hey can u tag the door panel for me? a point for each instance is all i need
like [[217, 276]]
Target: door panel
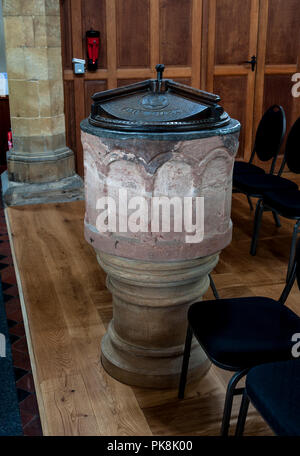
[[133, 33], [233, 92], [176, 32], [232, 40], [278, 58], [69, 100], [283, 35], [91, 87], [66, 33]]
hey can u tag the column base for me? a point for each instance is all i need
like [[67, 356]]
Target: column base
[[159, 368], [64, 190], [145, 340], [40, 166]]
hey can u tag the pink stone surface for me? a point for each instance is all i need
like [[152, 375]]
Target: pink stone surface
[[199, 167]]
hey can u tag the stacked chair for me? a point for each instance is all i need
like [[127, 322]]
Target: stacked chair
[[274, 390], [283, 201], [240, 333], [249, 178]]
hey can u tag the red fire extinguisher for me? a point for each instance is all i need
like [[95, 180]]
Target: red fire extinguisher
[[9, 140], [93, 44]]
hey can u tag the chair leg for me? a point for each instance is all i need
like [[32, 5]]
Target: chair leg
[[257, 222], [213, 287], [289, 285], [250, 203], [276, 219], [293, 249], [242, 415], [228, 401], [185, 362]]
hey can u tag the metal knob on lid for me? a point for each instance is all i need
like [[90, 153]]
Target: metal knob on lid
[[157, 105]]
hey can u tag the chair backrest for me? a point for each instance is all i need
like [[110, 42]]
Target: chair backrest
[[270, 134], [292, 148]]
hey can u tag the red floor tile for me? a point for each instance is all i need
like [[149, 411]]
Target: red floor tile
[[26, 417], [18, 330], [21, 359], [21, 345], [33, 428], [30, 405], [26, 383], [15, 314]]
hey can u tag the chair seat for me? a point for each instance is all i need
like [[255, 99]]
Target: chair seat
[[258, 184], [240, 333], [274, 390], [245, 168], [286, 202]]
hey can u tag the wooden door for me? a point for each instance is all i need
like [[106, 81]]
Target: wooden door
[[135, 36], [231, 40], [278, 58]]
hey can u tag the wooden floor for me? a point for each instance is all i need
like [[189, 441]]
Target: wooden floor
[[67, 308]]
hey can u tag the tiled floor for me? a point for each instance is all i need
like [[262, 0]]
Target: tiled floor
[[23, 375]]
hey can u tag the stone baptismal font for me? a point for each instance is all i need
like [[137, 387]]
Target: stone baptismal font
[[158, 184]]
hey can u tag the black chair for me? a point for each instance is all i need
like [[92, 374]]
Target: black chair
[[274, 390], [240, 333], [285, 203], [213, 287], [268, 140]]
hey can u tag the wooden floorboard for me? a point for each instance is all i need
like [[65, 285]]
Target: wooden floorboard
[[68, 308]]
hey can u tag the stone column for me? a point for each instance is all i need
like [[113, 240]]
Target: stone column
[[40, 166]]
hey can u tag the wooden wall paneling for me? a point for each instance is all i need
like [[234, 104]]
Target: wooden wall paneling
[[94, 16], [260, 67], [66, 33], [233, 92], [204, 44], [196, 43], [175, 31], [228, 48], [278, 58], [186, 81], [283, 35], [78, 81], [211, 19], [125, 82], [111, 43], [253, 41], [154, 35], [232, 36], [133, 33], [136, 35], [91, 87], [70, 119]]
